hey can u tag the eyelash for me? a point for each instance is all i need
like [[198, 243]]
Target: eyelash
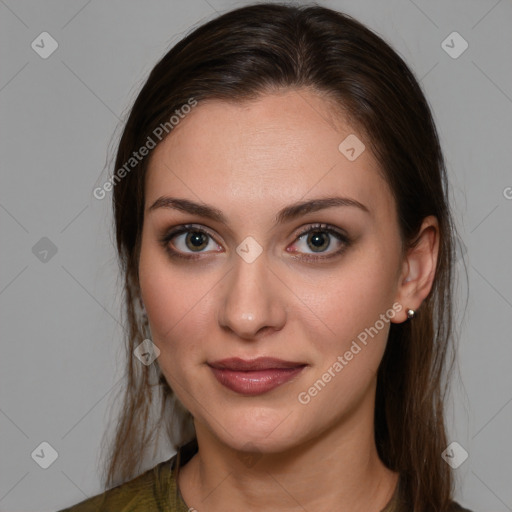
[[191, 228]]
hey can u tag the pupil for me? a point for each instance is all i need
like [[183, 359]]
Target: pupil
[[197, 240], [316, 239]]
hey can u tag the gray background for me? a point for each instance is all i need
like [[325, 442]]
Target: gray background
[[61, 338]]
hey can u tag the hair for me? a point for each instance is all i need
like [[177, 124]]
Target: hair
[[266, 48]]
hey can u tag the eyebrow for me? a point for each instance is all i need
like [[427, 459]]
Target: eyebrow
[[286, 214]]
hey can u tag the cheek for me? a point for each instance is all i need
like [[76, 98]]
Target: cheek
[[347, 354], [353, 296], [176, 302], [348, 307]]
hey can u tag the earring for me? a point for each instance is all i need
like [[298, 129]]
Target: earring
[[410, 313]]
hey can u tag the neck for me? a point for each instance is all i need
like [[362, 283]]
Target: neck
[[338, 470]]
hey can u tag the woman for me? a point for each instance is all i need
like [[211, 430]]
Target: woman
[[282, 217]]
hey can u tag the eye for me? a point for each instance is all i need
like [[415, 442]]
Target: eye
[[319, 238], [188, 239]]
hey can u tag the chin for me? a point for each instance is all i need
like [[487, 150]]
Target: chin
[[261, 431], [251, 443]]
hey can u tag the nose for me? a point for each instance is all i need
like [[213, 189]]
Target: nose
[[253, 300]]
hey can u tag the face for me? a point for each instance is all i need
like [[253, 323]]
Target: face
[[314, 287]]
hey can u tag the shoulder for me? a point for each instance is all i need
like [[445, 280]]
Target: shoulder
[[455, 507], [148, 491]]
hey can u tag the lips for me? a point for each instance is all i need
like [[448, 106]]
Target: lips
[[261, 363], [254, 377]]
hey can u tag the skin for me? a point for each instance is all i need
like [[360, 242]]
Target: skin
[[250, 160]]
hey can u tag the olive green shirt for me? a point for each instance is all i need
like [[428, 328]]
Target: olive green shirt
[[157, 490]]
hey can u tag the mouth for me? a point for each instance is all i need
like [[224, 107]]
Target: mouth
[[254, 377]]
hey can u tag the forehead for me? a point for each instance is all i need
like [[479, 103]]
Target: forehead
[[262, 153]]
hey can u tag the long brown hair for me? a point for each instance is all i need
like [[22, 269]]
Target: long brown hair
[[241, 55]]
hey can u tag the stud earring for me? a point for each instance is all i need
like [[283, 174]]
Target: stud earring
[[410, 313]]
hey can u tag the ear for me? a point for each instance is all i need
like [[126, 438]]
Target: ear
[[418, 270]]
